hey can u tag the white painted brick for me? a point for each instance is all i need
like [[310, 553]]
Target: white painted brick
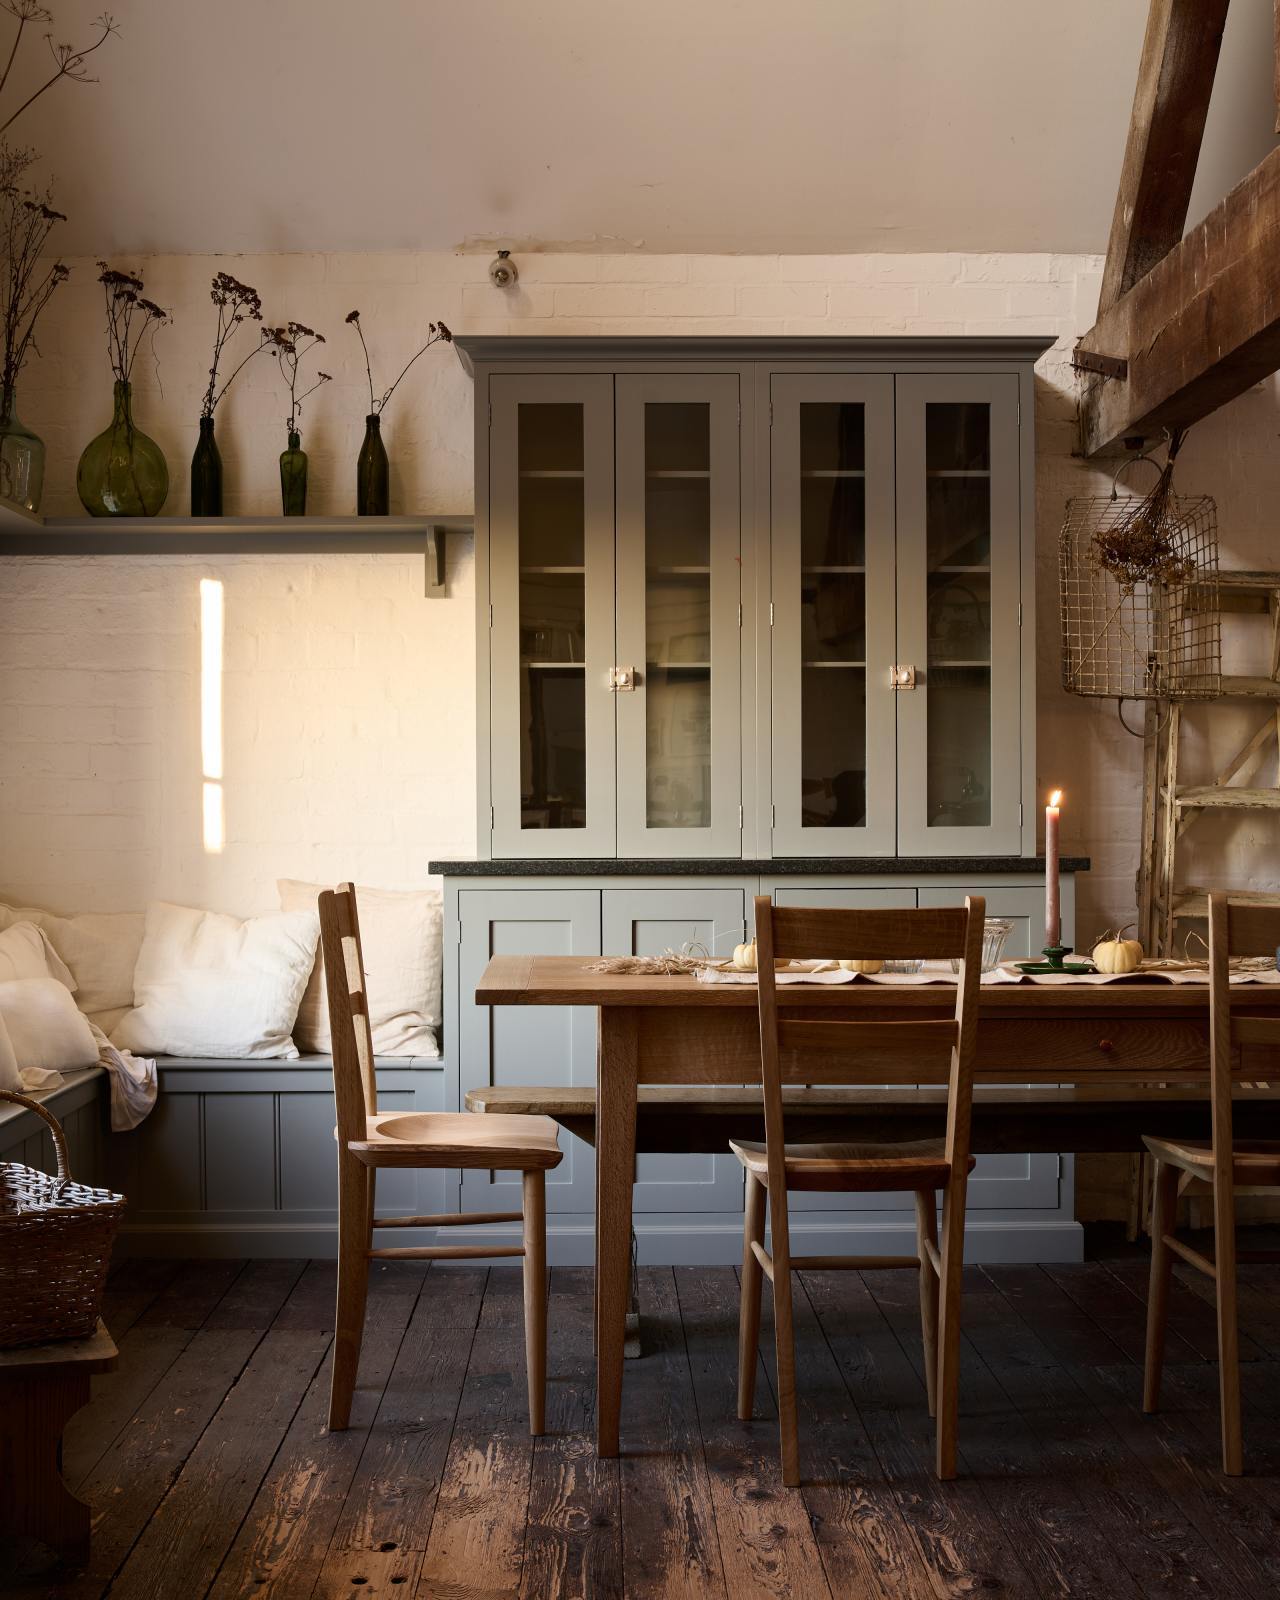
[[638, 268], [968, 302], [689, 300], [820, 269], [600, 300], [733, 269], [534, 300], [1056, 300], [874, 300], [782, 300]]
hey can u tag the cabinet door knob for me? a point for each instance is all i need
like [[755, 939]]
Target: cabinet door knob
[[622, 679], [1106, 1046], [902, 677]]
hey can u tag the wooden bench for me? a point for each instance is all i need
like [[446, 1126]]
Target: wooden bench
[[1090, 1118], [41, 1388]]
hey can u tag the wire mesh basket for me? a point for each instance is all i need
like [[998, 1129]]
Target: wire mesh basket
[[1138, 588]]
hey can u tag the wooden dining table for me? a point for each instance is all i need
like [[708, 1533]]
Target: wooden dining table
[[664, 1029]]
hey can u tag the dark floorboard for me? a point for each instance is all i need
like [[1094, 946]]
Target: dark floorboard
[[211, 1474]]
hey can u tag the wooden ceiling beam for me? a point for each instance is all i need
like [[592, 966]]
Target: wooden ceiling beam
[[1199, 328], [1175, 79]]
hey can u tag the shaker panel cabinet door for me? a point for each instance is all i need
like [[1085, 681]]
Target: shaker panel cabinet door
[[552, 642], [646, 922], [832, 640], [959, 584], [527, 1044], [678, 615]]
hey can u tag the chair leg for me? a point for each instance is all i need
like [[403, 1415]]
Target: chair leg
[[785, 1344], [1163, 1217], [1224, 1252], [353, 1286], [927, 1231], [749, 1310], [948, 1392], [535, 1296]]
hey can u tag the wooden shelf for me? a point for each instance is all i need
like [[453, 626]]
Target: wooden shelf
[[24, 535], [1226, 797]]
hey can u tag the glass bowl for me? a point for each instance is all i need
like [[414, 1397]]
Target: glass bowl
[[907, 964], [995, 930]]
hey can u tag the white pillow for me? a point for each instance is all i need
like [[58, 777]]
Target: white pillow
[[100, 947], [10, 1077], [211, 985], [25, 952], [401, 935], [44, 1026]]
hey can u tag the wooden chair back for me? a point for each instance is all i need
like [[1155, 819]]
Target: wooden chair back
[[355, 1089], [1236, 928], [937, 1050]]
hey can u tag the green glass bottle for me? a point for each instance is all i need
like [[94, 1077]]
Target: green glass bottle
[[122, 472], [21, 458], [373, 491], [206, 474], [293, 478]]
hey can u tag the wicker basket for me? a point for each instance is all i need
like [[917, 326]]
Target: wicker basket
[[55, 1246]]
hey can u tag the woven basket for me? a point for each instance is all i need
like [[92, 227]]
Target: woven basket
[[55, 1246]]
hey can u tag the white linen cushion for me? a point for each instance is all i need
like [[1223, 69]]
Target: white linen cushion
[[401, 936], [207, 984], [10, 1077], [100, 947], [45, 1028], [25, 952]]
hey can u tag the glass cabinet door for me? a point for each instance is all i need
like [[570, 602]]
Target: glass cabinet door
[[959, 560], [551, 584], [832, 511], [678, 627]]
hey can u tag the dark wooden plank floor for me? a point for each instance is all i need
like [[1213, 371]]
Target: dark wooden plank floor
[[210, 1473]]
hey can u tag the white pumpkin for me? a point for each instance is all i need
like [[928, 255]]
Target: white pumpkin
[[1117, 955], [744, 957], [869, 967]]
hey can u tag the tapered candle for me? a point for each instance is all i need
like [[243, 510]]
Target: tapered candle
[[1052, 904]]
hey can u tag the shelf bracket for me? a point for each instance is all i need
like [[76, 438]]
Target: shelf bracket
[[436, 589]]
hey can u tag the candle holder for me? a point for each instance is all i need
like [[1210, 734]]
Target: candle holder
[[1055, 960]]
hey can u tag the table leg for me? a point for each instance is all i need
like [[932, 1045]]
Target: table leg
[[615, 1178], [34, 1410]]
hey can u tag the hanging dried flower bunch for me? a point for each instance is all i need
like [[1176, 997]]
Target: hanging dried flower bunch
[[1140, 547]]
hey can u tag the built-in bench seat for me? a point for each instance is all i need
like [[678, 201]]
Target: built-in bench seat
[[1096, 1117]]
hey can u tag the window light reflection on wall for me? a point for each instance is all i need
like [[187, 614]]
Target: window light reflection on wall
[[211, 626]]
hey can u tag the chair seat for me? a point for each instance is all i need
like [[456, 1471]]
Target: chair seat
[[861, 1166], [458, 1139], [1256, 1163]]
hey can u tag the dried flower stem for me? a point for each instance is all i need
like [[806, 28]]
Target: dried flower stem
[[236, 303], [129, 316], [68, 60], [291, 344], [436, 332]]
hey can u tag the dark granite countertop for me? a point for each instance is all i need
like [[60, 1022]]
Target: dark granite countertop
[[790, 866]]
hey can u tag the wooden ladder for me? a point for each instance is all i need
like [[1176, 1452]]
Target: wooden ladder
[[1170, 807]]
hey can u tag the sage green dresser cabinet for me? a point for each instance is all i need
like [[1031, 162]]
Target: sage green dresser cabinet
[[753, 616]]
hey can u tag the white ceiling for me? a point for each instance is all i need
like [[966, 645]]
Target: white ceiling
[[700, 125]]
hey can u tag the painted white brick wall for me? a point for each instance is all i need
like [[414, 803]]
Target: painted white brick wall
[[349, 699]]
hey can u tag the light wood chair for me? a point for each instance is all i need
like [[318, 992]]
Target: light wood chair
[[1220, 1167], [840, 1051], [369, 1139]]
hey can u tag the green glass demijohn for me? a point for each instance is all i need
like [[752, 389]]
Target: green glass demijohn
[[206, 474], [293, 478], [122, 472], [21, 458], [373, 493]]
